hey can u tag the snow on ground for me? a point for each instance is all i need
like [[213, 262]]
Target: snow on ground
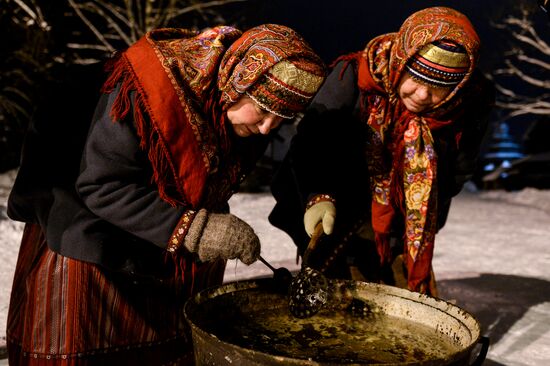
[[492, 257]]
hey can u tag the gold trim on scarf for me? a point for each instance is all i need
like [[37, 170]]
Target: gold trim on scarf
[[302, 80], [443, 57]]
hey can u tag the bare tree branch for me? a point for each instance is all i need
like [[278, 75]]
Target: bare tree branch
[[111, 22], [516, 71], [89, 24], [34, 13], [80, 46], [532, 36], [534, 61], [200, 6], [528, 64], [120, 23]]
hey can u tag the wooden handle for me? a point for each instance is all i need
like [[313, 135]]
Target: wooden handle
[[317, 233]]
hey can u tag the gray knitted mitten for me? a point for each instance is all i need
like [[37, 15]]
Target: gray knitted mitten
[[213, 235]]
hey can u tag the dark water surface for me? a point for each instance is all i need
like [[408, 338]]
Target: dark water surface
[[329, 336]]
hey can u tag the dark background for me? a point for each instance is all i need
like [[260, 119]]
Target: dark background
[[336, 27], [59, 94]]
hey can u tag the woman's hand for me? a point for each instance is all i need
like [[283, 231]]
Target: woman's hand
[[324, 211], [225, 236]]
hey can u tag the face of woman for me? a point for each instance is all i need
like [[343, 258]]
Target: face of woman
[[418, 97], [248, 118]]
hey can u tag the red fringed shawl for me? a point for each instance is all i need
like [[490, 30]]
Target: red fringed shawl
[[184, 82], [170, 70]]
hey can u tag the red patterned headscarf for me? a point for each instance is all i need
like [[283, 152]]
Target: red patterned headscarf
[[402, 159], [274, 66], [184, 82]]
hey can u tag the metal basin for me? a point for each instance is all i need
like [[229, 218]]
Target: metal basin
[[249, 323]]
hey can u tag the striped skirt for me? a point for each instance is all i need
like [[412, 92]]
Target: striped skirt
[[67, 312]]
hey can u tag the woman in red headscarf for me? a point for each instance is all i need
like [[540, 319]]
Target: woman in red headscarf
[[390, 138], [107, 262]]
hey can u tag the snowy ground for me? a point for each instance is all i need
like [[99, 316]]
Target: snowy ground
[[492, 258]]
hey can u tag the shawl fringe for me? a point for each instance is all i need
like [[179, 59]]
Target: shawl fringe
[[120, 72], [180, 261], [382, 241], [347, 59]]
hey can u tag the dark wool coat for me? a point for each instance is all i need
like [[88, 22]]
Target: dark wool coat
[[327, 155], [113, 214]]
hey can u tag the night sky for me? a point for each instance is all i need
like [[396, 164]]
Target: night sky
[[337, 27]]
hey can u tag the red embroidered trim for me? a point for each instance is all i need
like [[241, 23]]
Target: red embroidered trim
[[176, 240], [319, 198]]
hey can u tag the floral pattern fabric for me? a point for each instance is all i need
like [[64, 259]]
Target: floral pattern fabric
[[402, 157]]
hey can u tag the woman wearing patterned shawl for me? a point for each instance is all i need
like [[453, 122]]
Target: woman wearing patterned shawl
[[389, 139], [105, 269]]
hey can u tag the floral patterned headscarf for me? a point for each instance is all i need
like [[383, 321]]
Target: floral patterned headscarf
[[402, 159], [184, 82]]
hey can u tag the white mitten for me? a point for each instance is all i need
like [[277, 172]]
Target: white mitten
[[323, 211]]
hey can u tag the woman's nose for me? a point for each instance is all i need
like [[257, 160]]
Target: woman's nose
[[268, 123], [264, 126], [422, 92]]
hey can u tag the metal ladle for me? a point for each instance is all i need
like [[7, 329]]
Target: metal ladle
[[281, 276], [309, 290]]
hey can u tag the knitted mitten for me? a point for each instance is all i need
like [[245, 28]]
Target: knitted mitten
[[213, 235]]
